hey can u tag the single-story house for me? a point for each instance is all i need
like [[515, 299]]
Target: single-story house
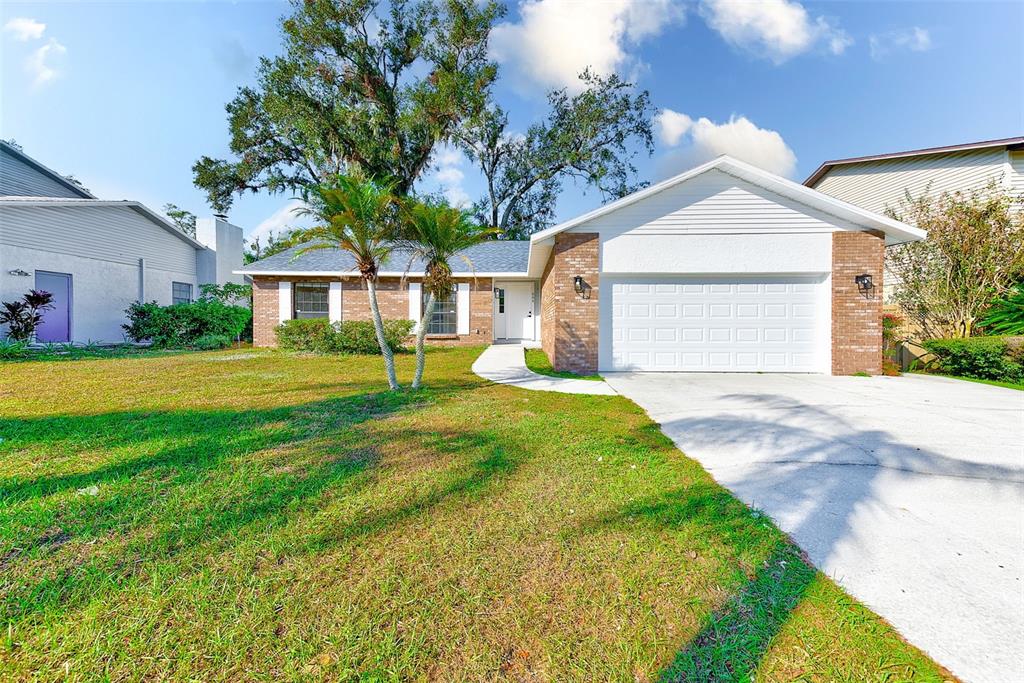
[[723, 268], [95, 256]]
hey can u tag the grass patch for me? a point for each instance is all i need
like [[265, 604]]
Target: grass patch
[[537, 361], [991, 382], [261, 515]]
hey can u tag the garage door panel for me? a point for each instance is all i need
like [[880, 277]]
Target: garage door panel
[[740, 326]]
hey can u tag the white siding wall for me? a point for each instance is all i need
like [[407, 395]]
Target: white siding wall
[[110, 233], [101, 289], [877, 185], [18, 179], [715, 223], [1017, 173]]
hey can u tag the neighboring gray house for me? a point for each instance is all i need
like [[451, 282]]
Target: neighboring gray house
[[881, 181], [96, 256]]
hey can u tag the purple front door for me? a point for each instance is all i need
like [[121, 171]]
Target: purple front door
[[56, 325]]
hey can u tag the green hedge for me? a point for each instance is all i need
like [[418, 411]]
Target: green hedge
[[185, 324], [997, 358], [352, 336]]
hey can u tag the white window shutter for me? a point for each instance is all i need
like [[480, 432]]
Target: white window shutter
[[415, 302], [284, 301], [334, 303], [462, 308]]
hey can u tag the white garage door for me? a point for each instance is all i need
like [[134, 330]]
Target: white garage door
[[719, 325]]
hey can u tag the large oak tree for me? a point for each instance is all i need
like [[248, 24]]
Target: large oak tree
[[359, 87]]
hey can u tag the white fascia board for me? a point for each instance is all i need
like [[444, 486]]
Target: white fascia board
[[899, 232]]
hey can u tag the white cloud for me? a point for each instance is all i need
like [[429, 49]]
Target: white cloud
[[278, 222], [774, 29], [915, 39], [739, 137], [555, 40], [42, 63], [25, 29], [448, 175], [671, 126]]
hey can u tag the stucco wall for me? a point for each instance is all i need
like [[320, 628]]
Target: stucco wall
[[101, 290]]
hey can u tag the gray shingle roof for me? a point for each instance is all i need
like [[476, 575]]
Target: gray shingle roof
[[499, 256]]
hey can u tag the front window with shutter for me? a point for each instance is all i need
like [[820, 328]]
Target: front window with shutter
[[443, 319]]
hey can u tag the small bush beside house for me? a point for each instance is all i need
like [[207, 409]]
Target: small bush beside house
[[208, 321], [352, 336], [990, 358]]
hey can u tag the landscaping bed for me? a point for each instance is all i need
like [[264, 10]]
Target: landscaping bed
[[261, 515]]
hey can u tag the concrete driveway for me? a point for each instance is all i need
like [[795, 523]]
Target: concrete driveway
[[906, 490]]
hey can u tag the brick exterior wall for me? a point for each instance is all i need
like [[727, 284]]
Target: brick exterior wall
[[857, 316], [392, 298], [569, 321]]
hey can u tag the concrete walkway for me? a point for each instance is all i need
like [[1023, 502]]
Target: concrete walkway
[[909, 491], [506, 364]]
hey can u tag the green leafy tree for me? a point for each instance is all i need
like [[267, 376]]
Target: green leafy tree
[[358, 87], [588, 138], [974, 252], [182, 219], [436, 233], [361, 217]]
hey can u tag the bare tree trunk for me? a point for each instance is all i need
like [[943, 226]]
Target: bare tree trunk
[[421, 334], [378, 326]]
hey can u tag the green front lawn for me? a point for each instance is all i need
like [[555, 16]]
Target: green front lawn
[[992, 382], [537, 361], [255, 515]]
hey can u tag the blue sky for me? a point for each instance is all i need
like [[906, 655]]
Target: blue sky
[[127, 95]]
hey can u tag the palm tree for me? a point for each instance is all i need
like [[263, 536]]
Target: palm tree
[[437, 233], [360, 217]]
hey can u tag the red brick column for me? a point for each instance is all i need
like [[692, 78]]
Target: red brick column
[[857, 315], [569, 321], [264, 311]]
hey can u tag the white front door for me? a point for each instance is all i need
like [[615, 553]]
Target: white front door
[[769, 324], [513, 310]]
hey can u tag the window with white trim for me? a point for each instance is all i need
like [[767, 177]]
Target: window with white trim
[[181, 292], [444, 317], [310, 299]]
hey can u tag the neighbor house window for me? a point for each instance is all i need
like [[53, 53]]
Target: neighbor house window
[[310, 299], [443, 318], [181, 292]]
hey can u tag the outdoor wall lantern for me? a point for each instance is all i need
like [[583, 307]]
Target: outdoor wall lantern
[[577, 284], [864, 283]]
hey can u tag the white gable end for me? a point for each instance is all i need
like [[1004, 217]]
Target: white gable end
[[713, 203]]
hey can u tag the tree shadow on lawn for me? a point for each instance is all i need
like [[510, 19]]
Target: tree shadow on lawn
[[207, 476]]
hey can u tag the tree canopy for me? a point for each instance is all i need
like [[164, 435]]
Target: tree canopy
[[356, 89], [584, 138]]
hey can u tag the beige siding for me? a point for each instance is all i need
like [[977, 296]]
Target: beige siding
[[111, 233], [713, 202], [1017, 173], [878, 185], [18, 179]]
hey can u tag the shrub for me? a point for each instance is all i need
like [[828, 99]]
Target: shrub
[[183, 324], [212, 342], [352, 336], [1006, 316], [977, 357], [13, 348], [310, 334], [23, 316]]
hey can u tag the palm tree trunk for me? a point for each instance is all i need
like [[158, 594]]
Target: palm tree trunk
[[378, 326], [421, 335]]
